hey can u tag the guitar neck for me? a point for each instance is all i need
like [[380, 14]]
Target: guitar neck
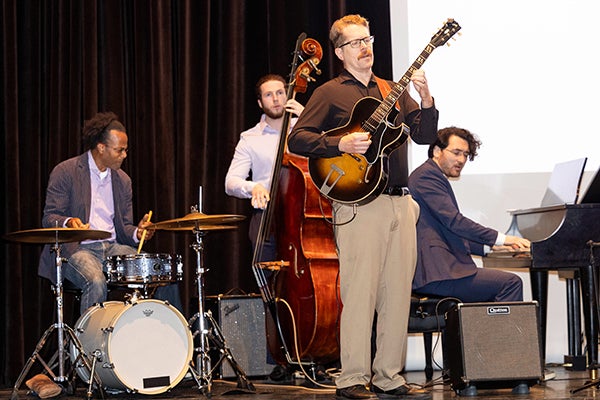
[[381, 113]]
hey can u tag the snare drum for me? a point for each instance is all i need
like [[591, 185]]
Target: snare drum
[[144, 347], [143, 268]]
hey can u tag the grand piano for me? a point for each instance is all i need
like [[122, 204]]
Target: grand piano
[[563, 238]]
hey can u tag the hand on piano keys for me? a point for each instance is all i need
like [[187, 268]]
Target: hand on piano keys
[[507, 257], [517, 242]]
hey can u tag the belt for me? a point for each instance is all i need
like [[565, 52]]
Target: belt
[[396, 191]]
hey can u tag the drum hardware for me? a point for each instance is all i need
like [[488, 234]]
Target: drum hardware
[[56, 236], [208, 329], [96, 354]]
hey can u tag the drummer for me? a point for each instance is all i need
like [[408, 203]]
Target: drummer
[[91, 191]]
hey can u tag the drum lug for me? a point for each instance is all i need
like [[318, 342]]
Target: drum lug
[[107, 330], [108, 365]]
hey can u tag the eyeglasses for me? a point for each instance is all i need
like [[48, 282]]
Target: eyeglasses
[[458, 153], [355, 43]]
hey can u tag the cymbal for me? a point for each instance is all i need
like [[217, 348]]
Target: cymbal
[[196, 220], [54, 235], [202, 228]]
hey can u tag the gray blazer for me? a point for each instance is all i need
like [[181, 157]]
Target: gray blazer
[[69, 195]]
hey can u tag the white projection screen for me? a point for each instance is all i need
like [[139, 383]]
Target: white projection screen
[[525, 77]]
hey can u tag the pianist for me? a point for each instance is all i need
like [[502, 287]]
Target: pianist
[[446, 238]]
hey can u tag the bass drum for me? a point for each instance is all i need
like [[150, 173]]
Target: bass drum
[[143, 347]]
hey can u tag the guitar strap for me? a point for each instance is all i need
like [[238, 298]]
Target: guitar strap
[[384, 89]]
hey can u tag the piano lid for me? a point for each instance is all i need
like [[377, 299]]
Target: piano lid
[[537, 224], [592, 193], [558, 234]]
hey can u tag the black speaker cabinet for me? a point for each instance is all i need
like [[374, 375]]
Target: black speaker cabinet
[[493, 344], [242, 321]]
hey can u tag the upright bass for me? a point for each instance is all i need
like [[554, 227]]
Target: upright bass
[[302, 295]]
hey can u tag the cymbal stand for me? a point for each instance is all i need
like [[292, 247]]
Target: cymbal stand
[[61, 328], [209, 331], [593, 366]]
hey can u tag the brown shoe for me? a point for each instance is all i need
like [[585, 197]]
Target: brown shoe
[[355, 392], [402, 392], [43, 386]]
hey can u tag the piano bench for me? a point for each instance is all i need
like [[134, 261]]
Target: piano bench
[[427, 315]]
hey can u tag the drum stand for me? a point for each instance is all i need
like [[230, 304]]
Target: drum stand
[[209, 331], [63, 342]]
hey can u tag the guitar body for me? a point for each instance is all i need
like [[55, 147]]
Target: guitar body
[[358, 178]]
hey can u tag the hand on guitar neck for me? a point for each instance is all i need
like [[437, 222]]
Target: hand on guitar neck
[[420, 83]]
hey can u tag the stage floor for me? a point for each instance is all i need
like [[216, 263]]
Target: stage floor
[[558, 388]]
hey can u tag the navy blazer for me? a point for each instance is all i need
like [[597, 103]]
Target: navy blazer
[[69, 195], [445, 238]]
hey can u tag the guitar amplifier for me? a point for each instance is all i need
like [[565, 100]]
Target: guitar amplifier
[[242, 322], [493, 344]]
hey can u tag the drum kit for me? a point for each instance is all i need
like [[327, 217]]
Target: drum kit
[[109, 347]]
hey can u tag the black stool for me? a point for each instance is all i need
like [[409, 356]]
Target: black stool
[[427, 315]]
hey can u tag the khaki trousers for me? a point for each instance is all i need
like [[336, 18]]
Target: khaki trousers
[[377, 255]]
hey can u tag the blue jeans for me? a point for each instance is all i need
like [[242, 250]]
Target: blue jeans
[[85, 270]]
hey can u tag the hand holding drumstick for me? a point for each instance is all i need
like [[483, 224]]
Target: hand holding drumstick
[[145, 233]]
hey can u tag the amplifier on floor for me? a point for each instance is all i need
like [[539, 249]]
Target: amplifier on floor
[[493, 344], [242, 320]]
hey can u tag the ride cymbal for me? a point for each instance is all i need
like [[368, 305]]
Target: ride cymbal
[[197, 220], [201, 228], [56, 235]]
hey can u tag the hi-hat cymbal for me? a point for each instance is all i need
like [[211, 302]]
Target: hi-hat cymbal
[[56, 235], [196, 220]]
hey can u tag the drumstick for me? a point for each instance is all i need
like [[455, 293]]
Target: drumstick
[[144, 233]]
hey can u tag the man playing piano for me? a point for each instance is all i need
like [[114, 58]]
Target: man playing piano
[[446, 238]]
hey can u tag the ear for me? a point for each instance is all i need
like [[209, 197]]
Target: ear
[[339, 53], [259, 103], [436, 152]]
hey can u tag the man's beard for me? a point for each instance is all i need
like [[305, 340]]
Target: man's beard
[[273, 114]]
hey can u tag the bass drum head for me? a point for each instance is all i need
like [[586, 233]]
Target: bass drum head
[[146, 347]]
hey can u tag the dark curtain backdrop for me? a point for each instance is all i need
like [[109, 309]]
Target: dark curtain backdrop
[[180, 74]]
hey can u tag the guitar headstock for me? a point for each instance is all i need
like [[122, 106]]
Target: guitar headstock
[[445, 33]]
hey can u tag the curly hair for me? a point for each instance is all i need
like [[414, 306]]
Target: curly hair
[[96, 129], [445, 134]]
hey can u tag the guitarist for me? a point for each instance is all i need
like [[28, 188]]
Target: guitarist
[[377, 248]]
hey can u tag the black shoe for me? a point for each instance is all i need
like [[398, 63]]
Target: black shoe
[[402, 392], [355, 392]]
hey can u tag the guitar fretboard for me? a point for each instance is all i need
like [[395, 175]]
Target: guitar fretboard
[[383, 110]]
